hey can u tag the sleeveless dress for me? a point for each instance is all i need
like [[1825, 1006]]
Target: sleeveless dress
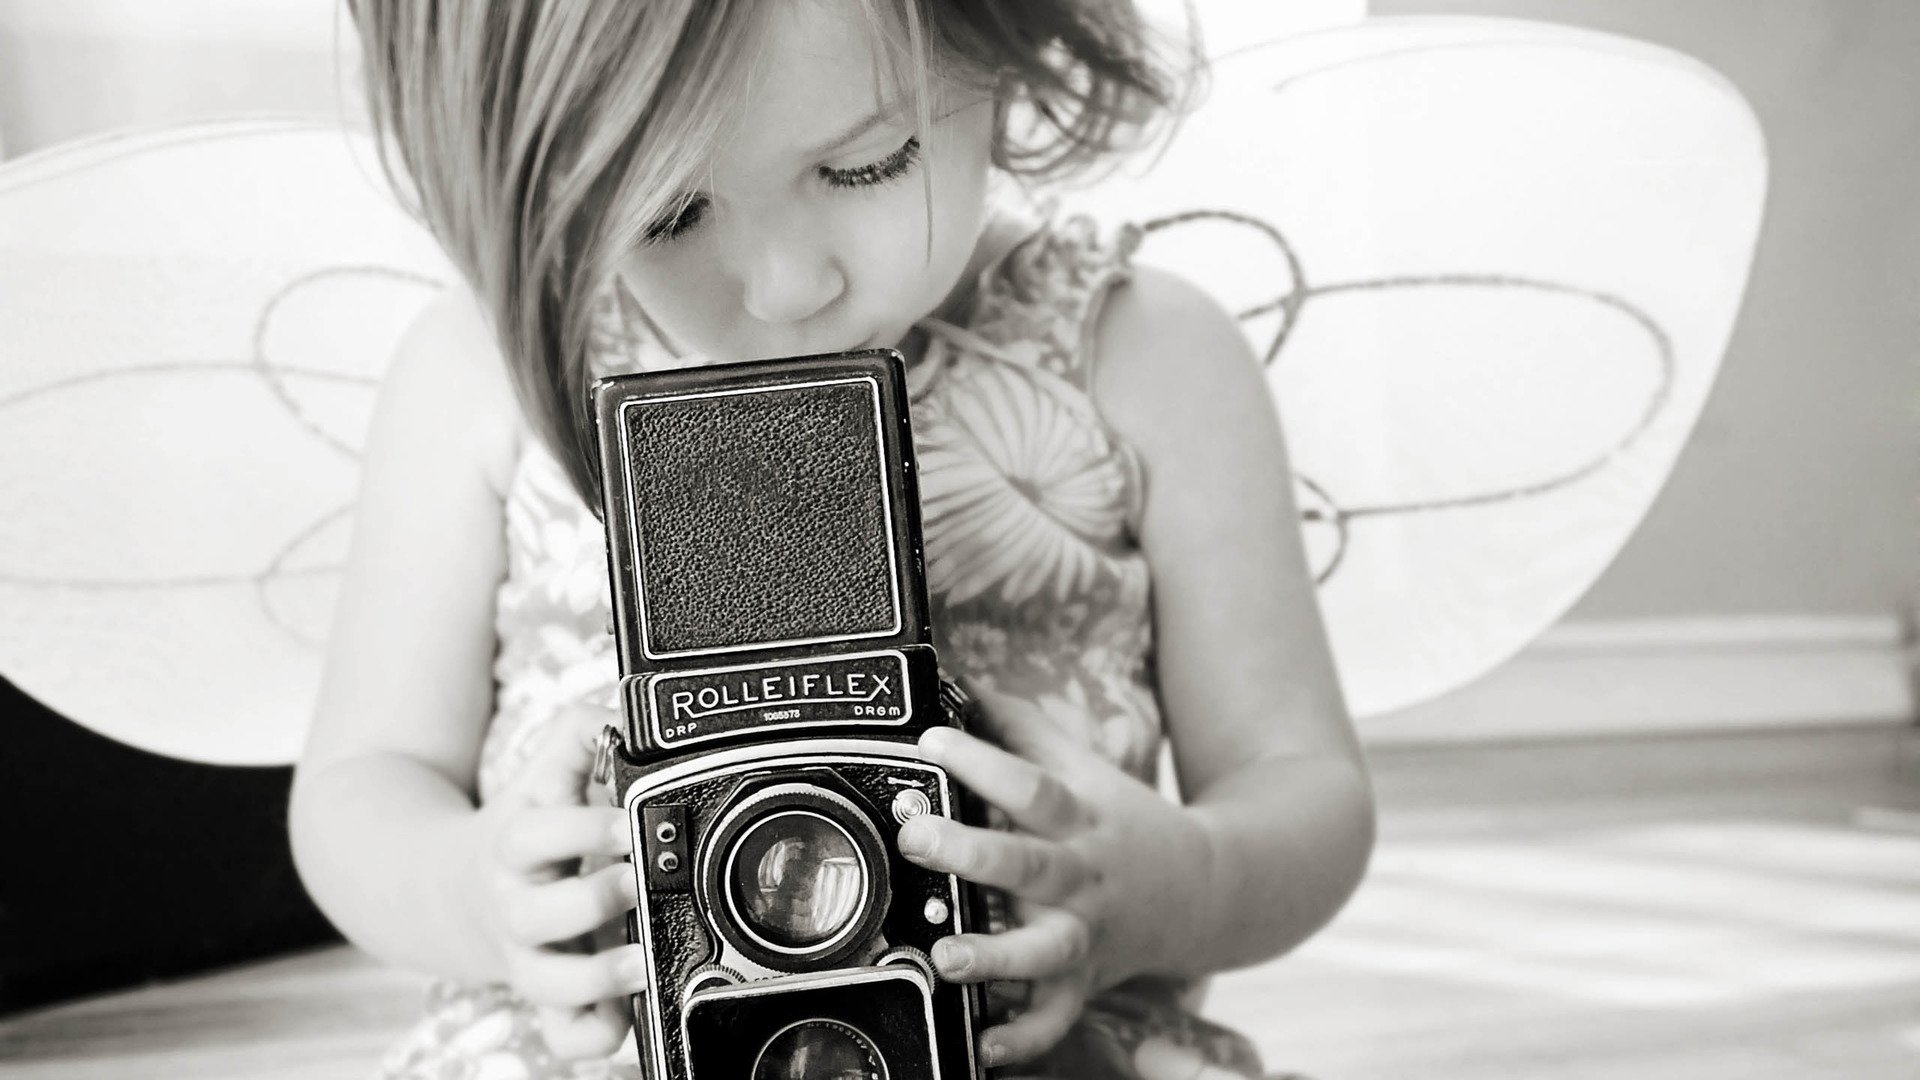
[[1039, 589]]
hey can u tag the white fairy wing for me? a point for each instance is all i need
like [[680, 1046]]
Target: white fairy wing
[[1495, 266], [1492, 267], [193, 323]]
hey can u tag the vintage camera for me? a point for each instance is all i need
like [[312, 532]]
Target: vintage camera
[[777, 666]]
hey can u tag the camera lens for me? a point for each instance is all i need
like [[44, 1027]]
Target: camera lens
[[794, 875], [819, 1050], [798, 879]]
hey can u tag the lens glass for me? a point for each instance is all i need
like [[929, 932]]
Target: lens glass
[[819, 1050], [797, 879]]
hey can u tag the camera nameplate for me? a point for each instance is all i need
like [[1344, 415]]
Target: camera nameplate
[[690, 707]]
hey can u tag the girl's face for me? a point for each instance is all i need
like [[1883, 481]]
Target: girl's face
[[809, 234]]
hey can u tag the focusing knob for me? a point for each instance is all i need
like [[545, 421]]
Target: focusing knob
[[712, 975], [907, 954]]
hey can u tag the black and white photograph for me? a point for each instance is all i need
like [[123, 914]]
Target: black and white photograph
[[960, 539]]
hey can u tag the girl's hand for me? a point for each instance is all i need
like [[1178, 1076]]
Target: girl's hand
[[1102, 858], [533, 836]]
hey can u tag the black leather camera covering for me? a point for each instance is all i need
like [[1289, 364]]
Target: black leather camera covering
[[762, 516], [755, 504]]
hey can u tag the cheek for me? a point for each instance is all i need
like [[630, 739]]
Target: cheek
[[882, 244], [685, 298], [888, 250]]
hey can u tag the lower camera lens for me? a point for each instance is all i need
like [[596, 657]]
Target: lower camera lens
[[798, 878], [819, 1050]]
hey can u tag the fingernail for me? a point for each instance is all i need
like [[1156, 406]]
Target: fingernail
[[953, 959], [916, 838], [933, 741], [992, 1053]]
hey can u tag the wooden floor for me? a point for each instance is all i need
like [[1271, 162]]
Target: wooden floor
[[1702, 908]]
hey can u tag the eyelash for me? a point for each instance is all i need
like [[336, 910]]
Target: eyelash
[[687, 216], [676, 222], [892, 167]]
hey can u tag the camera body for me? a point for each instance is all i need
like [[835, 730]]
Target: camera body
[[777, 667]]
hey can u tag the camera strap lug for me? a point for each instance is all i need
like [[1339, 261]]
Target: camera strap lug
[[604, 749]]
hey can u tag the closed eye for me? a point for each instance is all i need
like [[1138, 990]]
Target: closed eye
[[692, 210], [889, 168], [678, 221]]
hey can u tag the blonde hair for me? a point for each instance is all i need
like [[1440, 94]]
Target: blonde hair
[[539, 139]]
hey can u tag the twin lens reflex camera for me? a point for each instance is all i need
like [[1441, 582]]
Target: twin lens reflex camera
[[777, 667]]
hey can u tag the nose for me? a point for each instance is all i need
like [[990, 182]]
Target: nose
[[790, 279]]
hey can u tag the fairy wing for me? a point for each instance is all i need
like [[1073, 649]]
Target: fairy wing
[[193, 324], [1492, 267]]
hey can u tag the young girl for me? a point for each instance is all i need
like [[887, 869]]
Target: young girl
[[1111, 549]]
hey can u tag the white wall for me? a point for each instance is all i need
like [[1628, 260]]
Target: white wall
[[75, 67]]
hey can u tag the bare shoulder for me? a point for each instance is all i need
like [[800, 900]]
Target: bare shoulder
[[447, 381], [1174, 373], [1243, 660], [427, 557]]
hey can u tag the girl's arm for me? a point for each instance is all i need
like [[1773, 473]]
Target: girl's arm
[[382, 807], [1113, 880], [1263, 745], [385, 828]]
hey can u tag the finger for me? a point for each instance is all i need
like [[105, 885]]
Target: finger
[[560, 767], [1161, 1059], [593, 1032], [562, 910], [1056, 1005], [1054, 942], [534, 839], [1018, 725], [546, 977], [1032, 797], [1038, 870]]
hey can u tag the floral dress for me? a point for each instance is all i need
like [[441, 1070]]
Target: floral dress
[[1030, 503]]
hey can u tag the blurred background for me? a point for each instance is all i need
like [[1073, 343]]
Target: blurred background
[[1678, 835]]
